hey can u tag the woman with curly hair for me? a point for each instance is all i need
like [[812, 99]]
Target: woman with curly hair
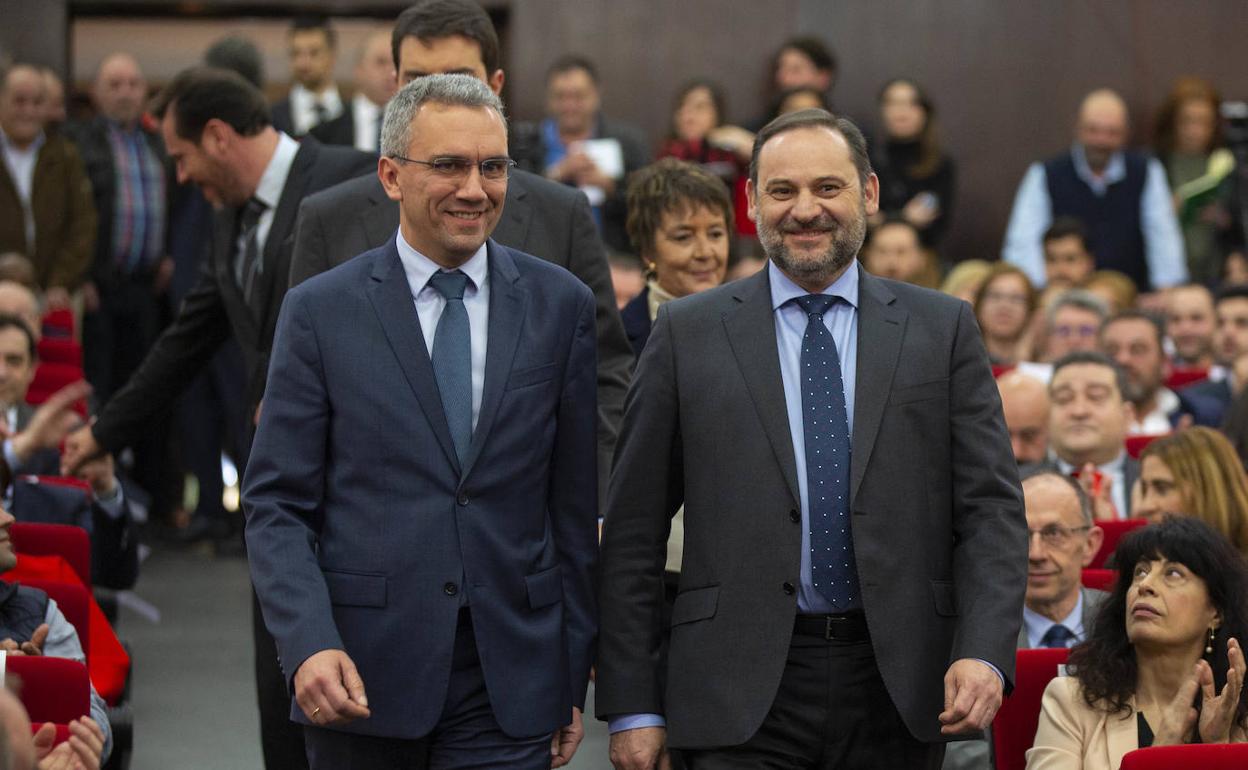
[[1162, 664]]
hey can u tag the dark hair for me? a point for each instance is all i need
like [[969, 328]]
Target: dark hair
[[1096, 358], [893, 220], [314, 24], [815, 118], [777, 105], [1105, 663], [1064, 227], [13, 322], [1187, 89], [1085, 502], [200, 94], [812, 48], [571, 63], [930, 156], [1230, 291], [1132, 314], [238, 54], [437, 19], [717, 99], [671, 185]]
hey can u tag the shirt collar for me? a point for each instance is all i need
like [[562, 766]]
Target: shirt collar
[[1114, 466], [329, 98], [30, 150], [364, 107], [1038, 625], [420, 269], [269, 189], [1115, 170], [783, 289]]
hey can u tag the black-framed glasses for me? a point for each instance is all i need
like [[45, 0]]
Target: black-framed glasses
[[1055, 535], [450, 167]]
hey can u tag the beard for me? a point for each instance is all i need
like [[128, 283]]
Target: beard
[[846, 242]]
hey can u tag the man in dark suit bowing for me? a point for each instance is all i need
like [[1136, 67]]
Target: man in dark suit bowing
[[421, 498], [217, 132], [855, 548], [541, 218]]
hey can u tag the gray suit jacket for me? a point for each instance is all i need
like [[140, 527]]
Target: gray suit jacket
[[540, 217], [939, 533]]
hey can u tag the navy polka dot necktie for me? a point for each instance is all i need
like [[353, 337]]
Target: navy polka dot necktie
[[1057, 636], [825, 426]]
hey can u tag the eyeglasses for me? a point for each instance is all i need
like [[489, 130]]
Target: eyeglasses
[[1056, 536], [492, 169], [1075, 331]]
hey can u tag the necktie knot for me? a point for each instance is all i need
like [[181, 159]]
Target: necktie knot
[[1057, 636], [816, 304], [449, 285], [252, 210]]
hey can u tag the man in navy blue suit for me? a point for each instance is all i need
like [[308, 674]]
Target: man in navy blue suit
[[421, 495]]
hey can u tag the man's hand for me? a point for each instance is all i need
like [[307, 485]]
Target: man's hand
[[52, 420], [101, 474], [90, 297], [33, 647], [566, 740], [1100, 489], [329, 689], [81, 752], [1217, 712], [972, 697], [642, 749], [80, 447]]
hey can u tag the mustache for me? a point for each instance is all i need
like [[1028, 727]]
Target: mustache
[[821, 222]]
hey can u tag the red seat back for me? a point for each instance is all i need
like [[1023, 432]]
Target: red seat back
[[70, 543], [60, 350], [1136, 444], [59, 323], [49, 378], [53, 689], [74, 601], [1000, 369], [1215, 756], [1181, 378], [1014, 728], [1114, 531], [1100, 579]]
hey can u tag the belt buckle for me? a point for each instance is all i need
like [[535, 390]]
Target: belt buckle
[[828, 636]]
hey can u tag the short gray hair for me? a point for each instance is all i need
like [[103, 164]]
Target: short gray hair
[[457, 90], [1085, 502], [1081, 299]]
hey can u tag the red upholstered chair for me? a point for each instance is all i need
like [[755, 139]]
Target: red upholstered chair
[[1014, 728], [998, 369], [60, 350], [49, 378], [1136, 444], [1182, 377], [59, 323], [53, 689], [74, 600], [69, 542], [1100, 579], [1114, 530], [1216, 756]]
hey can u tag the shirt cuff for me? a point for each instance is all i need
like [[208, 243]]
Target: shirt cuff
[[995, 670], [114, 505], [619, 724], [10, 455]]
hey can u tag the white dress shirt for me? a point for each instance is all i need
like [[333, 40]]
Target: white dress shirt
[[269, 189], [20, 163], [366, 116], [303, 106]]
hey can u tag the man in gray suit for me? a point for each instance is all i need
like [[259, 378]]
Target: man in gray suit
[[854, 555], [540, 217], [1058, 610]]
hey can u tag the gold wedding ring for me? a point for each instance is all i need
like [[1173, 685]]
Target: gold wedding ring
[[315, 711]]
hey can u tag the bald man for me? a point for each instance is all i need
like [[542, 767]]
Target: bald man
[[19, 301], [375, 82], [1121, 196], [1025, 404]]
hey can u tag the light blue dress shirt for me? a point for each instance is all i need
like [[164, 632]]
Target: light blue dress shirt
[[1038, 625], [429, 304], [1033, 214]]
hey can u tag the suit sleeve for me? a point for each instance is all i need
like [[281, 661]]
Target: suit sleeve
[[647, 486], [574, 502], [114, 548], [989, 529], [74, 259], [309, 257], [1060, 740], [177, 357], [588, 261], [283, 491]]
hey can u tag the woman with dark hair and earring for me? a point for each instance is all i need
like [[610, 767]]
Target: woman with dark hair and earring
[[916, 176], [1162, 664]]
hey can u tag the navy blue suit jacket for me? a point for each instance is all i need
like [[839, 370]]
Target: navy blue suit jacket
[[362, 528]]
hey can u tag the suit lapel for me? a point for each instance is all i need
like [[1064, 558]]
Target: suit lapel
[[880, 327], [513, 228], [508, 301], [391, 296], [751, 329], [276, 270]]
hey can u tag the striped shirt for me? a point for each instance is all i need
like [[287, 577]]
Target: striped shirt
[[139, 203]]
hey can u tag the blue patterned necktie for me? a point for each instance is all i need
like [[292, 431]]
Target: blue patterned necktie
[[1057, 636], [247, 264], [452, 359], [825, 427]]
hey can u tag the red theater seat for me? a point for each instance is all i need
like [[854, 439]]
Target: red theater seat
[[74, 601], [60, 350], [1100, 579], [1181, 378], [59, 323], [1136, 444], [70, 543], [53, 689], [998, 370], [1217, 756], [1014, 728], [1114, 531]]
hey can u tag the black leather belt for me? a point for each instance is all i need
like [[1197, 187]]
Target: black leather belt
[[849, 627]]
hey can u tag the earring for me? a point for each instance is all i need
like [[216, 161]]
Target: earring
[[1209, 644]]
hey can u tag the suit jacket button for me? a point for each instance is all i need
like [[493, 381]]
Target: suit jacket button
[[788, 588], [450, 589], [462, 499], [795, 516]]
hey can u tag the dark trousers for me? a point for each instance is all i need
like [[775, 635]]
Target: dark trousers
[[467, 736], [281, 740], [212, 417], [831, 711]]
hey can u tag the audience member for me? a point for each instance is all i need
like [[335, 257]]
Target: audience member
[[375, 83], [238, 54], [1073, 321], [680, 222], [45, 202], [894, 250], [54, 114], [25, 450], [1088, 420], [1188, 140], [1116, 289], [628, 278], [1165, 637], [1190, 324], [1003, 307], [1120, 195], [18, 269], [966, 278], [1136, 342], [19, 301], [1195, 472], [916, 176], [1025, 406], [800, 62], [1067, 262], [582, 148], [314, 97], [745, 266], [1230, 343]]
